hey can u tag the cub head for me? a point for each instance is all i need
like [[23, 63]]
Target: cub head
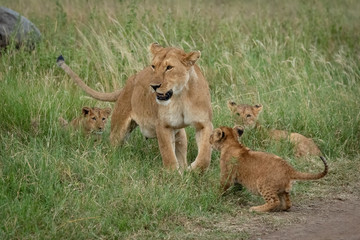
[[94, 119], [171, 70], [225, 135], [246, 115]]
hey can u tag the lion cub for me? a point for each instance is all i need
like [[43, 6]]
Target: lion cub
[[262, 173], [247, 116], [91, 121]]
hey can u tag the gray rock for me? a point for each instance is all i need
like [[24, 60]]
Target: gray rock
[[14, 26]]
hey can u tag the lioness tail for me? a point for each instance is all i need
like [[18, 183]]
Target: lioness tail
[[106, 97]]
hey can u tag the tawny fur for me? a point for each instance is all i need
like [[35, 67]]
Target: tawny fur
[[91, 121], [261, 173], [247, 115], [162, 100]]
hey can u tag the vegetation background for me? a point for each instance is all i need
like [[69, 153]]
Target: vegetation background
[[300, 59]]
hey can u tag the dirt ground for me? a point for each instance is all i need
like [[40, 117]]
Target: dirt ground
[[333, 219], [333, 216]]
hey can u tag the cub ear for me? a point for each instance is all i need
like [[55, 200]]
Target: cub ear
[[239, 130], [218, 134], [86, 111], [107, 111], [232, 106], [155, 48], [258, 107], [191, 58]]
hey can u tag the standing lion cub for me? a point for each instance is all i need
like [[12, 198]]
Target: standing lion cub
[[262, 173]]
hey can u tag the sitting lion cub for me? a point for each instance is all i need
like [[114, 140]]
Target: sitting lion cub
[[260, 172], [91, 121], [247, 116]]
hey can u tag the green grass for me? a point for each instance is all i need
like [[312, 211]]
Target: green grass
[[300, 60]]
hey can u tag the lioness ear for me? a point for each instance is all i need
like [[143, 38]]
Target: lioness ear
[[239, 130], [232, 106], [191, 58], [258, 107], [86, 111], [218, 134], [155, 48]]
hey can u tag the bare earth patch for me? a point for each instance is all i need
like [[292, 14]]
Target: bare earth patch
[[337, 218], [333, 218]]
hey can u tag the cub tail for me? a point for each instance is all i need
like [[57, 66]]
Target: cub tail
[[311, 176], [106, 97]]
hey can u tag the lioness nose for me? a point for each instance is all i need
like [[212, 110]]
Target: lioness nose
[[155, 86]]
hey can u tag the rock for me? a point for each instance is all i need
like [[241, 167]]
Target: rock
[[13, 25]]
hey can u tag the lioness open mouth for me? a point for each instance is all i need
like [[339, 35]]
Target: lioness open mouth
[[164, 97]]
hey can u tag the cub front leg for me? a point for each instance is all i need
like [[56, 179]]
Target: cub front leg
[[224, 184], [226, 177], [166, 140], [203, 132]]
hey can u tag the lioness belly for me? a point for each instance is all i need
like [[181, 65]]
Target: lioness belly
[[148, 131], [147, 125]]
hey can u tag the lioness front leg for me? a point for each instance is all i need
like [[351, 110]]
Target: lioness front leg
[[181, 148], [166, 140], [203, 132]]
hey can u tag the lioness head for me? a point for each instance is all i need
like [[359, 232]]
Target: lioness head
[[225, 134], [171, 70], [246, 115], [94, 119]]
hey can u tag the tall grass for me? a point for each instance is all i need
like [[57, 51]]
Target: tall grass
[[299, 59]]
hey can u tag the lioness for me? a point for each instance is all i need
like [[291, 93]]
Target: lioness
[[247, 115], [262, 173], [162, 100], [91, 121]]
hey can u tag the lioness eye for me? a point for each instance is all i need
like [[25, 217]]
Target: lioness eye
[[153, 67], [248, 115], [103, 119], [94, 118], [238, 114], [169, 68]]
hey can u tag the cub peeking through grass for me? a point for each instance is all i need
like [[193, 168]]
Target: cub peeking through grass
[[91, 121], [261, 173], [247, 115]]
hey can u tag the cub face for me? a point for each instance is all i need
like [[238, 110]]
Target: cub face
[[246, 115], [225, 135], [94, 119], [171, 70]]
